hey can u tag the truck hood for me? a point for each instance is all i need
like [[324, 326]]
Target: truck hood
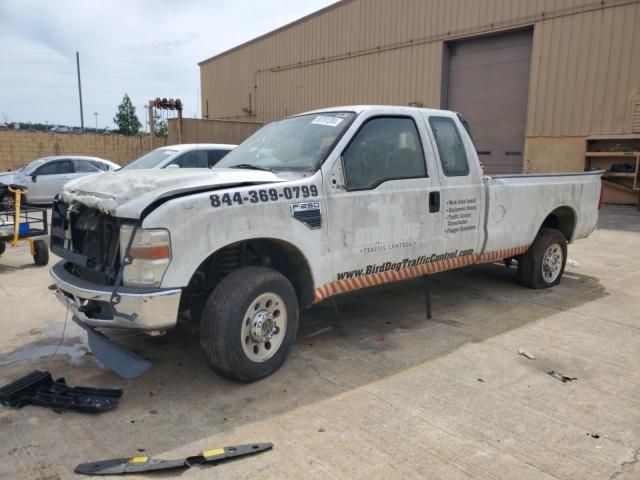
[[127, 193]]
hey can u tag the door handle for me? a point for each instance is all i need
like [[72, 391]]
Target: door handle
[[434, 202]]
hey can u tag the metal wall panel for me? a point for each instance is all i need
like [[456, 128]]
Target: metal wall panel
[[585, 66], [210, 131], [488, 80]]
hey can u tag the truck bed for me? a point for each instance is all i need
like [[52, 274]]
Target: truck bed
[[518, 204]]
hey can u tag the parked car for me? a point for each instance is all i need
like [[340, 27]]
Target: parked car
[[60, 129], [45, 177], [188, 155]]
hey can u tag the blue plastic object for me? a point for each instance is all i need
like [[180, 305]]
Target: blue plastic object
[[23, 229]]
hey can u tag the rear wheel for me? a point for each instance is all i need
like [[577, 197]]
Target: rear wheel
[[543, 264], [3, 247], [41, 252], [249, 324]]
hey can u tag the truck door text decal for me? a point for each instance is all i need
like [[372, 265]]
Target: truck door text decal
[[264, 195], [408, 268]]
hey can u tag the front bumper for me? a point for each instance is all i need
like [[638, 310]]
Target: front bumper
[[140, 309]]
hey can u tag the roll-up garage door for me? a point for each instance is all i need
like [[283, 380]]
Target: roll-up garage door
[[488, 83]]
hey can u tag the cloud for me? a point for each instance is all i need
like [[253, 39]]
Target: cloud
[[146, 48]]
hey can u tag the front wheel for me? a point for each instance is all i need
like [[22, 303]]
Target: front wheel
[[249, 324], [543, 264]]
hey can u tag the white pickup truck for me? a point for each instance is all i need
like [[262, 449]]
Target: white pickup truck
[[312, 206]]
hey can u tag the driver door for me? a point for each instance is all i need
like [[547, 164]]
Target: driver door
[[383, 205], [47, 181]]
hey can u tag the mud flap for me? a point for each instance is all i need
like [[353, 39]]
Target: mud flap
[[141, 464], [115, 357]]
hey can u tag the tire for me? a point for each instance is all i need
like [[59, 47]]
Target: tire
[[543, 264], [7, 201], [197, 308], [3, 247], [242, 311], [41, 255]]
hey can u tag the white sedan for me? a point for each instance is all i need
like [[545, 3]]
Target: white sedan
[[186, 155], [45, 177]]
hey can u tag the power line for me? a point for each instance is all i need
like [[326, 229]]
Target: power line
[[97, 89], [103, 75]]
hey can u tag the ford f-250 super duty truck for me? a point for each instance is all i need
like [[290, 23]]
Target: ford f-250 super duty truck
[[311, 206]]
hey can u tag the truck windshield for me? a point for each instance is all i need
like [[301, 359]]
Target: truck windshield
[[296, 143], [151, 159]]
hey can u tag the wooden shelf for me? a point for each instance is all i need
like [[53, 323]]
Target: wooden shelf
[[605, 152], [618, 186], [612, 154], [619, 174]]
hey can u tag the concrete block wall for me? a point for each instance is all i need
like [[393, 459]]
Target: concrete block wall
[[19, 147]]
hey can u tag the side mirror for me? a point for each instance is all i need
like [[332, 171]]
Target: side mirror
[[34, 177], [173, 165]]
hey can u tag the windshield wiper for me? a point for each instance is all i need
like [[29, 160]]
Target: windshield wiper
[[248, 166]]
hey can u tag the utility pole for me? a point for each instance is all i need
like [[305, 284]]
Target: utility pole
[[151, 118], [80, 91], [96, 115]]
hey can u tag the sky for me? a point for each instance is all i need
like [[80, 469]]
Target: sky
[[145, 48]]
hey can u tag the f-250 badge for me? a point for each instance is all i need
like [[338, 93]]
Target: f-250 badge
[[308, 213]]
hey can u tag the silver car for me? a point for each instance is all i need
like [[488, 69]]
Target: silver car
[[45, 177], [186, 155]]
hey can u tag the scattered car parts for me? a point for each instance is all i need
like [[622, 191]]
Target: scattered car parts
[[39, 388], [141, 464], [561, 377], [526, 354]]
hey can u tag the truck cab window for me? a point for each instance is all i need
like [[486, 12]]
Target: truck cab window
[[385, 148], [453, 155]]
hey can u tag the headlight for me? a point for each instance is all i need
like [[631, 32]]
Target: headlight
[[150, 252]]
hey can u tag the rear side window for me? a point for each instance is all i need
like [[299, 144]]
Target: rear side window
[[57, 167], [453, 156], [85, 166], [105, 167], [215, 156], [385, 148], [193, 159]]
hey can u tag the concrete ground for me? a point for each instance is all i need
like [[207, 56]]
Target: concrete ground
[[372, 389]]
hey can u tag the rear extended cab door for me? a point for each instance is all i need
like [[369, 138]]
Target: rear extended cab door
[[461, 184], [381, 189]]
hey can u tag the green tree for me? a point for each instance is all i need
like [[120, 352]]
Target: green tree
[[126, 118], [162, 129], [160, 126]]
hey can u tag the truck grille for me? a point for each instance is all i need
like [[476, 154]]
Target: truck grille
[[88, 239]]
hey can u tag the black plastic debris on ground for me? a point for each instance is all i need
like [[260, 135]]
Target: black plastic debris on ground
[[139, 464], [561, 377], [39, 388]]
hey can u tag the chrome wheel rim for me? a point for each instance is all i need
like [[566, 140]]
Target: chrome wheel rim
[[264, 326], [552, 263]]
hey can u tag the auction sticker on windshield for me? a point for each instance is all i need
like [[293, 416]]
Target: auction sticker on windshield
[[328, 121]]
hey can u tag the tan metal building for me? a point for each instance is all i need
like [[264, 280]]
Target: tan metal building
[[535, 78]]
